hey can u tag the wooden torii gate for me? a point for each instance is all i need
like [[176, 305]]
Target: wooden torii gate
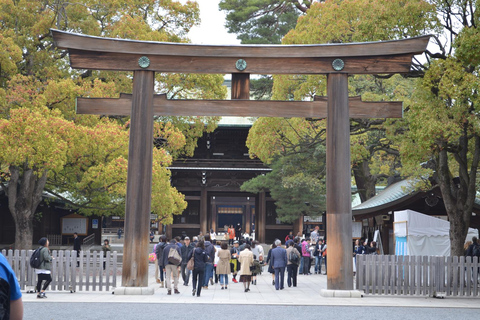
[[145, 58]]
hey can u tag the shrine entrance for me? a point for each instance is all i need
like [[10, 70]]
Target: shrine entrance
[[144, 58]]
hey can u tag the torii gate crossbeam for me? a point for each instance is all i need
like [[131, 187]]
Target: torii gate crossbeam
[[145, 58]]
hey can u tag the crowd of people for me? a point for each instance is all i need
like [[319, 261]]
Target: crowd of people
[[214, 260]]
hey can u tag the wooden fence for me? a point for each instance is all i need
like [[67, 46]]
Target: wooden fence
[[90, 273], [418, 275]]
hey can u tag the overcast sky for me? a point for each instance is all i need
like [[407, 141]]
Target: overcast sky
[[212, 29]]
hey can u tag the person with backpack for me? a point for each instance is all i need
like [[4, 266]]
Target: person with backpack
[[159, 252], [474, 249], [210, 250], [44, 270], [292, 264], [171, 265]]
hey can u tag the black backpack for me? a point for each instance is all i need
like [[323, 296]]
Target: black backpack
[[476, 250], [36, 258], [293, 257]]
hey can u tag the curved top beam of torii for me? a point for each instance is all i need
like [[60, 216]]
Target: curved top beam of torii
[[88, 52]]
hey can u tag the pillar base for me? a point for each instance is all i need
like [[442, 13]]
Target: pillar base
[[133, 291], [341, 293]]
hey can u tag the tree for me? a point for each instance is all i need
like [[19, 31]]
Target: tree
[[295, 150], [262, 21], [441, 125], [374, 155], [89, 170]]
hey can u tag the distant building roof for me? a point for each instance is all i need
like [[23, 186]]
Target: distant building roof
[[389, 195], [235, 122]]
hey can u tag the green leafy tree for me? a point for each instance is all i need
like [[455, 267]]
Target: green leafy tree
[[80, 158], [374, 155], [295, 150], [262, 22]]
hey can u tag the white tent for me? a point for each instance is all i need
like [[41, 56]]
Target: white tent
[[417, 234]]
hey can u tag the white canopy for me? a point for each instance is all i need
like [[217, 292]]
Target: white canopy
[[423, 235]]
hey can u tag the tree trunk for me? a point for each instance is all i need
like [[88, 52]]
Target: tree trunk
[[458, 232], [24, 192], [458, 198], [364, 180]]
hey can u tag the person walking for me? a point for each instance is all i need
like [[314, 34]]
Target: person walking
[[231, 235], [234, 264], [279, 263], [186, 250], [170, 268], [210, 250], [238, 232], [292, 266], [223, 265], [257, 251], [246, 261], [159, 252], [306, 256], [77, 246], [323, 252], [44, 271], [200, 258], [269, 262]]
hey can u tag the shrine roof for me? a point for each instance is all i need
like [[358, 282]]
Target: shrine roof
[[389, 196]]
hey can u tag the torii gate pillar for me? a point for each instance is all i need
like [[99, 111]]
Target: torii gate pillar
[[339, 208], [139, 182]]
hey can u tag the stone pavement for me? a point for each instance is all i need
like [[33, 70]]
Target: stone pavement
[[307, 292]]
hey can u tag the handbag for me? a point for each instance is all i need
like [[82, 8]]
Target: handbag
[[191, 262]]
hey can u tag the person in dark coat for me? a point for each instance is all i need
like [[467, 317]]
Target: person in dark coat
[[238, 231], [77, 246], [279, 263], [200, 259], [269, 262], [159, 252], [186, 250]]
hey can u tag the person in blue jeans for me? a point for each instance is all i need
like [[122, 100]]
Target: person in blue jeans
[[318, 257], [210, 250], [223, 265], [200, 258]]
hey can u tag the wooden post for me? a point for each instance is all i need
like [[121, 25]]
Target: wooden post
[[213, 215], [262, 217], [339, 208], [248, 218], [139, 182], [203, 211], [240, 86]]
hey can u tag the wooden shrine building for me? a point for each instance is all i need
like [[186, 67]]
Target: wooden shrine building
[[211, 182]]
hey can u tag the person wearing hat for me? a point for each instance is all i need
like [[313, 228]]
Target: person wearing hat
[[186, 250], [234, 264], [44, 271]]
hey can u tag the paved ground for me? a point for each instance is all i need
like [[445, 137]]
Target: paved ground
[[133, 311], [306, 293]]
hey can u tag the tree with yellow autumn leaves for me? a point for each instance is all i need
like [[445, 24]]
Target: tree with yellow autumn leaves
[[82, 159]]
